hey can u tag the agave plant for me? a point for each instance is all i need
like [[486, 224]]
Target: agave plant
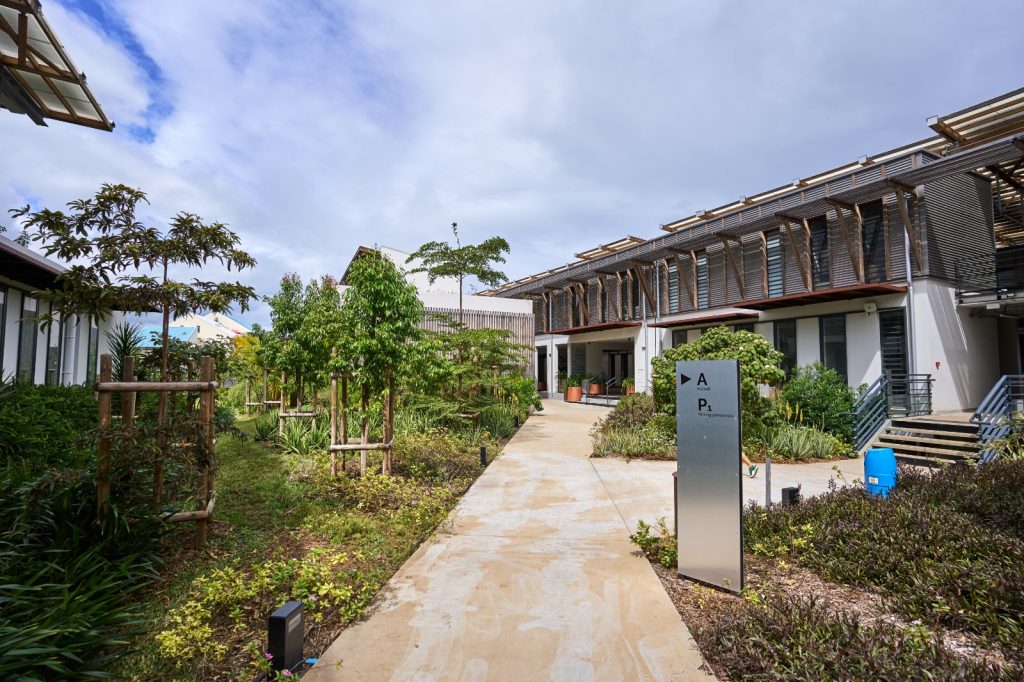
[[124, 340]]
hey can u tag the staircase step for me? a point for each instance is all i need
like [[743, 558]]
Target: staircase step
[[935, 425], [951, 435], [922, 461], [935, 452], [933, 442]]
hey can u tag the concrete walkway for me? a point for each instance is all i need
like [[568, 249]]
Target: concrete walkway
[[533, 578]]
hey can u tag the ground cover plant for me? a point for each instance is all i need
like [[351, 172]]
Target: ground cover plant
[[924, 584]]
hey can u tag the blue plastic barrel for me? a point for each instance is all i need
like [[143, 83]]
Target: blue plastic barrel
[[879, 471]]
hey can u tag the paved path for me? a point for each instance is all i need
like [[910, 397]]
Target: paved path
[[534, 578]]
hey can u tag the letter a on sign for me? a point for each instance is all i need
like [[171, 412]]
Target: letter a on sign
[[709, 484]]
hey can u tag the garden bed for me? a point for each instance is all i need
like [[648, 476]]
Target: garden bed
[[925, 585], [286, 530]]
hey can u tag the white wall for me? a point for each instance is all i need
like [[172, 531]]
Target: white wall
[[497, 304], [966, 348]]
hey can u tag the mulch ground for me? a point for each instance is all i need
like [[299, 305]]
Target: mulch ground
[[700, 606]]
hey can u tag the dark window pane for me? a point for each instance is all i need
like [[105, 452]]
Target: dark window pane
[[673, 288], [874, 241], [819, 252], [90, 361], [28, 335], [636, 296], [744, 327], [3, 328], [785, 343], [833, 343], [678, 337], [53, 354], [773, 243]]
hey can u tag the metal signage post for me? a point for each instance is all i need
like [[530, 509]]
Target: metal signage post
[[709, 520]]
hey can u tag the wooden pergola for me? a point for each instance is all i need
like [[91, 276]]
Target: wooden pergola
[[37, 77]]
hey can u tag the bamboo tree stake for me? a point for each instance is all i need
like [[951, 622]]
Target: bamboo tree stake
[[103, 448], [128, 397], [282, 406], [206, 408], [344, 419], [388, 426], [366, 429]]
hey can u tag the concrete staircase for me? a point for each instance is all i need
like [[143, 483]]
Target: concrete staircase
[[930, 440]]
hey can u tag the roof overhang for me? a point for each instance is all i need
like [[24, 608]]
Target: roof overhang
[[37, 77], [593, 328], [27, 267], [726, 316], [826, 295]]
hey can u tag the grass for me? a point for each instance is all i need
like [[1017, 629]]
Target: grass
[[283, 529]]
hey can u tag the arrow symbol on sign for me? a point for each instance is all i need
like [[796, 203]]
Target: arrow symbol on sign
[[683, 379]]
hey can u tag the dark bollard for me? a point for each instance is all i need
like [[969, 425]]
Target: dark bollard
[[790, 496], [285, 632], [517, 421], [483, 455]]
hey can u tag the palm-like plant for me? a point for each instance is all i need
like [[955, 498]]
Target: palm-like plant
[[124, 340]]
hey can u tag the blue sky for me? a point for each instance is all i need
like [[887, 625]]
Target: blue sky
[[314, 127]]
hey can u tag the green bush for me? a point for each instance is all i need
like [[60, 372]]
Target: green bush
[[786, 639], [649, 442], [801, 443], [656, 542], [44, 425], [630, 412], [499, 420], [929, 560], [436, 456], [264, 428], [759, 365], [305, 436], [824, 398]]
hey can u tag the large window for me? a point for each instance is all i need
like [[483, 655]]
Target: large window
[[874, 241], [820, 266], [53, 353], [94, 349], [673, 288], [744, 327], [678, 337], [773, 264], [785, 343], [3, 326], [702, 280], [27, 336], [833, 343]]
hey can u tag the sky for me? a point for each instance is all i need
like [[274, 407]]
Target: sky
[[313, 127]]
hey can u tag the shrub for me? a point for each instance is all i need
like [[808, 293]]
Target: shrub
[[759, 364], [44, 425], [630, 412], [265, 428], [656, 542], [304, 437], [824, 398], [435, 456], [929, 560], [785, 639], [498, 420], [800, 443], [649, 442]]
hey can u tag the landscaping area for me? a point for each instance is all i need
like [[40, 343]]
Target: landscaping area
[[925, 584], [805, 417]]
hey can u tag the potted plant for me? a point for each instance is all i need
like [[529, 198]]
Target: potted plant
[[561, 381], [596, 384], [573, 392], [629, 386]]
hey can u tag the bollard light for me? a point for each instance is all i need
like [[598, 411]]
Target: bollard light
[[285, 632], [790, 496], [483, 455]]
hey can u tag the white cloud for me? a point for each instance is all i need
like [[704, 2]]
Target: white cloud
[[314, 127]]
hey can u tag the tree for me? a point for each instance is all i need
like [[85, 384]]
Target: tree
[[441, 259], [380, 315], [115, 257], [759, 365]]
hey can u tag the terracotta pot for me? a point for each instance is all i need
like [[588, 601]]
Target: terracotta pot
[[595, 388], [630, 390], [542, 386], [573, 394]]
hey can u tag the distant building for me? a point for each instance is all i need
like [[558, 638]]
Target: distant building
[[153, 333], [66, 353], [213, 326], [442, 298]]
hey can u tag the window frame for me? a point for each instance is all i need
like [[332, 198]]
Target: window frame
[[773, 242], [4, 297], [24, 324], [677, 333], [822, 322], [876, 269], [92, 352], [54, 380], [703, 283], [821, 261], [789, 362]]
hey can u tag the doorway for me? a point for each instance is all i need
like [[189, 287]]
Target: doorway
[[618, 366], [542, 368]]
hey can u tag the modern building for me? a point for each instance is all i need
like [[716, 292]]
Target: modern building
[[66, 352], [906, 264], [441, 302]]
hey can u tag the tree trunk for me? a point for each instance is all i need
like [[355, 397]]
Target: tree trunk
[[389, 426], [161, 408]]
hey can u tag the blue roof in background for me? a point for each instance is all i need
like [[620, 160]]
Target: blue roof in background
[[248, 327], [151, 334]]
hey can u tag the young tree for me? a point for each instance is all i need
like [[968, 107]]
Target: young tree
[[119, 263], [380, 315], [441, 259]]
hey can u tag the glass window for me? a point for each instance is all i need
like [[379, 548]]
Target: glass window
[[874, 241], [673, 288], [702, 280], [744, 327], [604, 304], [624, 296], [773, 252], [785, 343], [678, 337], [28, 334], [53, 353], [833, 343], [90, 361], [3, 326], [636, 296], [820, 266]]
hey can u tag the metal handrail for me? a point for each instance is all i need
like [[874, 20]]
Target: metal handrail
[[870, 411], [910, 395], [993, 414], [997, 274]]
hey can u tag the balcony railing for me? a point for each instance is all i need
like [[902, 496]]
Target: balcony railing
[[996, 276]]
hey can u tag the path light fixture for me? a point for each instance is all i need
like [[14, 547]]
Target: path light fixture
[[285, 632]]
